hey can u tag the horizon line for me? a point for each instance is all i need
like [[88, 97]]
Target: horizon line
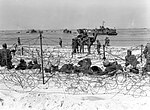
[[68, 28]]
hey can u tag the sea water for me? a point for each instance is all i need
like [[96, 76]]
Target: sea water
[[125, 37]]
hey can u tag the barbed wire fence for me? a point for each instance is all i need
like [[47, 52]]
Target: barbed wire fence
[[126, 83]]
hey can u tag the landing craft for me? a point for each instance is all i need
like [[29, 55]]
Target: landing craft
[[105, 31], [101, 31]]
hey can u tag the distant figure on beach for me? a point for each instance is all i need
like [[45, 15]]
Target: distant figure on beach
[[98, 47], [107, 41], [146, 53], [60, 42], [74, 45], [81, 46], [131, 60], [19, 43], [13, 51], [89, 46], [5, 57]]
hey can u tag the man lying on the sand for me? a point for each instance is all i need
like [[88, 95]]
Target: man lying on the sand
[[22, 65], [111, 68], [86, 68]]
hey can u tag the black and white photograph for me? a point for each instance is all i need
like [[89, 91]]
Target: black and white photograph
[[74, 54]]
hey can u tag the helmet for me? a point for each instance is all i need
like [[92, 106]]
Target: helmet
[[22, 60], [34, 60], [106, 63], [4, 45]]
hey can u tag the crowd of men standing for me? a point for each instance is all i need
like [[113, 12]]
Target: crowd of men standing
[[78, 43]]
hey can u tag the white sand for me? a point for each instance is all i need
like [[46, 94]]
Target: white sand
[[54, 95]]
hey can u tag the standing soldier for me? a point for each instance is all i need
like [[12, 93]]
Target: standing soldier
[[81, 46], [146, 53], [19, 43], [5, 57], [89, 46], [73, 46], [60, 42], [107, 41], [98, 47]]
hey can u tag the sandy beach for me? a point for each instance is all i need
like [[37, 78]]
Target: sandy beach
[[23, 89]]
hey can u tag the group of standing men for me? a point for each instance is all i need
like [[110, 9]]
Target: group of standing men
[[79, 42]]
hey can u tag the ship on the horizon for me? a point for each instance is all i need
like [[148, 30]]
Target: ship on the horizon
[[105, 31]]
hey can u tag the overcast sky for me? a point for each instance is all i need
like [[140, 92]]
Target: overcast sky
[[60, 14]]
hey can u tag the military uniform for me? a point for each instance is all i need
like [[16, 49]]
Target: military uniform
[[146, 52], [111, 67], [5, 57], [130, 59], [74, 45], [60, 42], [98, 46], [107, 40], [85, 66], [35, 64], [22, 65]]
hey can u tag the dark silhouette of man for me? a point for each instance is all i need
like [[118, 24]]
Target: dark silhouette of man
[[98, 47], [131, 60], [5, 57], [19, 43], [107, 41], [146, 53], [60, 42]]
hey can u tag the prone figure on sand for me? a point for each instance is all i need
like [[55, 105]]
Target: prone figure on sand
[[111, 68], [85, 66], [31, 65]]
